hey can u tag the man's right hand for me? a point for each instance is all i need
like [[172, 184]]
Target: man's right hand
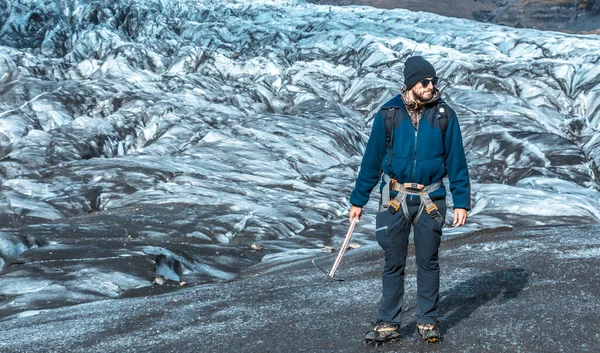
[[355, 212]]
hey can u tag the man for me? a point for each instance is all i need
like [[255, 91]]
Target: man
[[421, 144]]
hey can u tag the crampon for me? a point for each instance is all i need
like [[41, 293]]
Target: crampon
[[429, 333], [382, 333]]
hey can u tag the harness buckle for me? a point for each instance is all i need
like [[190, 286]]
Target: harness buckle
[[432, 210], [394, 206], [414, 186], [393, 183]]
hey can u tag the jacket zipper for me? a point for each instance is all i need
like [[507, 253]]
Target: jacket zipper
[[414, 171]]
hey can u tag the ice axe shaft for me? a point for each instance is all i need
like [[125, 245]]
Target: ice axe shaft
[[338, 259], [340, 254]]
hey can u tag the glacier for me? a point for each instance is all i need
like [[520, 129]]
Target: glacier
[[132, 129]]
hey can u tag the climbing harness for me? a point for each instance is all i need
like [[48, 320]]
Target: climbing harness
[[406, 189]]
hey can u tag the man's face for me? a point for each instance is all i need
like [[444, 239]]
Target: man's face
[[423, 89]]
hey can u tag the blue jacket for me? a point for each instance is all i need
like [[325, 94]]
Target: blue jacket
[[417, 157]]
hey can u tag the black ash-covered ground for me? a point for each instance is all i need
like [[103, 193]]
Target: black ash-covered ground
[[510, 290]]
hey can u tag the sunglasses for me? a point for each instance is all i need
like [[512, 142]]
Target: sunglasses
[[425, 82]]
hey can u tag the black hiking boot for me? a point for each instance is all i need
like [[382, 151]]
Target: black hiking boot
[[429, 332], [383, 332]]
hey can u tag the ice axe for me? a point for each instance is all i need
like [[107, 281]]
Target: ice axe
[[338, 259]]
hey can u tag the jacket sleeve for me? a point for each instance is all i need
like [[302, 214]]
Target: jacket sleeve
[[456, 165], [370, 167]]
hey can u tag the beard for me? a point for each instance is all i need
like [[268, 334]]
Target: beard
[[423, 96]]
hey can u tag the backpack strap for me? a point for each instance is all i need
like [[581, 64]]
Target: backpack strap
[[390, 125], [442, 116]]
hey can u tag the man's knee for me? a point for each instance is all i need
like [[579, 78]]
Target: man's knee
[[429, 264], [395, 261]]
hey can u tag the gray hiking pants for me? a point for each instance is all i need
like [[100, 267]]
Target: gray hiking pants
[[392, 235]]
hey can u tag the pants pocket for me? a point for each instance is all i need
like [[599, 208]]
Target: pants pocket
[[383, 229], [383, 222]]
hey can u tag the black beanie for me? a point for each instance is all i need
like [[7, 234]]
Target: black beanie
[[416, 68]]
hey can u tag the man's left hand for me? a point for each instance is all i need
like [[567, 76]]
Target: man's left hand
[[460, 217]]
